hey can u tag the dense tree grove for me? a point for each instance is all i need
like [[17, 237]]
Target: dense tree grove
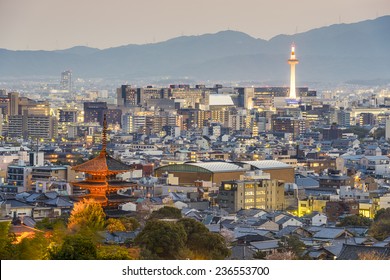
[[183, 239], [74, 239], [380, 228], [166, 213], [355, 220]]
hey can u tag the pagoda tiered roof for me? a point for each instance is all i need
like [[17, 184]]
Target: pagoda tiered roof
[[103, 165]]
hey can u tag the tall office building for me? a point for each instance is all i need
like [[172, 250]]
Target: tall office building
[[31, 120], [66, 81], [94, 111], [67, 115], [128, 96], [13, 103]]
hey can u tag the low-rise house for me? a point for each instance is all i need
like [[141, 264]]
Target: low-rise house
[[316, 219], [267, 246], [289, 221], [13, 208], [242, 252], [300, 232], [266, 224], [328, 233]]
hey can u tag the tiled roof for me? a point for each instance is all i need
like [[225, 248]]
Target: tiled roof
[[329, 233], [104, 164], [352, 252], [264, 245], [59, 202]]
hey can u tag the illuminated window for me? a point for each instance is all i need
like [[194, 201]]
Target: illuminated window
[[227, 187]]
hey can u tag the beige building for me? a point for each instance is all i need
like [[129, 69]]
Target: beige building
[[246, 194]]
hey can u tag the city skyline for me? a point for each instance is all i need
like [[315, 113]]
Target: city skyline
[[50, 25]]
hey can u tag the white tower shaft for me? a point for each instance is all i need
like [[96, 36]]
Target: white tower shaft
[[292, 61], [293, 94]]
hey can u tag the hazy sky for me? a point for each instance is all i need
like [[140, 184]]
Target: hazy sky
[[60, 24]]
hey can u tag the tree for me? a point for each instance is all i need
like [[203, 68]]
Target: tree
[[166, 213], [355, 220], [227, 235], [49, 224], [361, 132], [87, 214], [293, 245], [115, 225], [382, 214], [288, 255], [203, 243], [380, 228], [260, 255], [74, 247], [379, 133], [6, 242], [35, 248], [162, 240], [371, 256], [130, 223], [113, 252]]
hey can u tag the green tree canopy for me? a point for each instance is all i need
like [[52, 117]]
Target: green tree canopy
[[115, 225], [294, 245], [130, 223], [35, 248], [164, 240], [355, 220], [203, 243], [6, 238], [113, 252], [380, 228], [75, 247], [166, 213]]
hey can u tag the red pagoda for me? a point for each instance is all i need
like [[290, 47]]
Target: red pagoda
[[100, 181]]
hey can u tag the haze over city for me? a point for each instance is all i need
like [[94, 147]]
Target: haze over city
[[55, 24]]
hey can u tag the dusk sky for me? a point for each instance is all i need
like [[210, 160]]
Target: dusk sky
[[60, 24]]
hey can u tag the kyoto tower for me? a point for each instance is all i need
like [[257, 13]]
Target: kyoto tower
[[292, 61]]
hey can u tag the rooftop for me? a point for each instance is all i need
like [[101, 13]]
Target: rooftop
[[218, 166], [267, 164], [220, 100]]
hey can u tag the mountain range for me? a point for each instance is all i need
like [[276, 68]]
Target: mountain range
[[340, 52]]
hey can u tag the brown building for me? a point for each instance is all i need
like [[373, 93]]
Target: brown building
[[319, 165], [335, 180], [277, 169], [335, 209], [216, 172], [285, 125]]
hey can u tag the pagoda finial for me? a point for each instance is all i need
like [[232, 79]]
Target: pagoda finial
[[104, 138]]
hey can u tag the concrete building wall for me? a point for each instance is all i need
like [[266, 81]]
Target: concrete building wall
[[285, 174]]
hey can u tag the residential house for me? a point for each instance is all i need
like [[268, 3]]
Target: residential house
[[316, 219]]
